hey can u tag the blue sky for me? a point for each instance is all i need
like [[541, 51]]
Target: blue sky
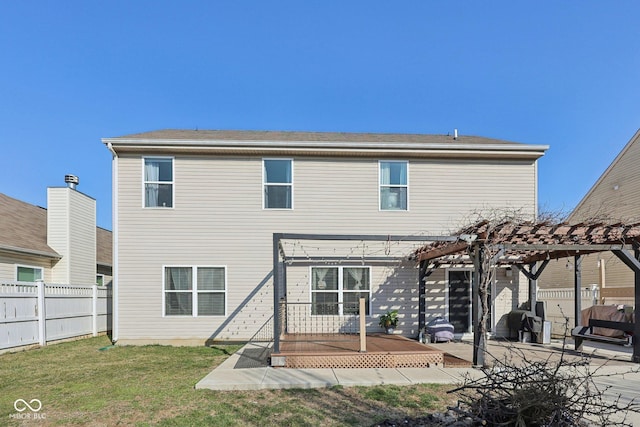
[[545, 72]]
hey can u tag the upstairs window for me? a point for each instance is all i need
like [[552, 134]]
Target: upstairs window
[[393, 185], [158, 182], [28, 274], [278, 183]]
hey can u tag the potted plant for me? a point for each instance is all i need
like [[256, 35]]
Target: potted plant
[[389, 320]]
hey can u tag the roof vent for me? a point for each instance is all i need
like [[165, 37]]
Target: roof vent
[[71, 181], [455, 134]]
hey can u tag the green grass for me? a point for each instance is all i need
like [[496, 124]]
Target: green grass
[[154, 385]]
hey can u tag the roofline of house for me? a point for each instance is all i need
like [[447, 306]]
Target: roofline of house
[[35, 252], [333, 148], [145, 142]]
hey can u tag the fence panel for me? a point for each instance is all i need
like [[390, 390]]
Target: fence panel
[[37, 313], [18, 314], [561, 305], [69, 311], [103, 309]]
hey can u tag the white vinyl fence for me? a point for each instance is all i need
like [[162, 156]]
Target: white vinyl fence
[[38, 313], [561, 304]]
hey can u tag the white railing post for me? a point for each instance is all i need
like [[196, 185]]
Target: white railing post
[[95, 310], [42, 315]]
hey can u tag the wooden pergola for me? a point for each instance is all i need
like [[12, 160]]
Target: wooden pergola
[[529, 247]]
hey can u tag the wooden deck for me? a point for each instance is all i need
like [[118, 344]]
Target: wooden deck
[[342, 351]]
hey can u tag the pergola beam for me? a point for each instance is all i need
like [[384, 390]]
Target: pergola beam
[[551, 248], [440, 252], [302, 259]]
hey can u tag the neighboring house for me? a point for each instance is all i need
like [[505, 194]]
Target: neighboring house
[[60, 245], [614, 198], [195, 212]]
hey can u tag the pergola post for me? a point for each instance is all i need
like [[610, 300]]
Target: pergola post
[[422, 295], [533, 286], [577, 283], [479, 338], [276, 293], [633, 262], [636, 312]]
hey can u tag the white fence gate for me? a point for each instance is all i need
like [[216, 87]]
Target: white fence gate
[[38, 313]]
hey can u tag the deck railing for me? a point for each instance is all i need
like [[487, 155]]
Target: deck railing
[[334, 321], [319, 319]]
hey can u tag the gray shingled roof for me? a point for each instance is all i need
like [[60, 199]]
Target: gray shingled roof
[[104, 246], [23, 228], [288, 136]]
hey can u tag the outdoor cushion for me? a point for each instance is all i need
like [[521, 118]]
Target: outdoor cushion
[[440, 330]]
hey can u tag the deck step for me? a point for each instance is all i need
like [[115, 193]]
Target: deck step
[[451, 361]]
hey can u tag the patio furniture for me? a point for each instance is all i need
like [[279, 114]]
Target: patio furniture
[[440, 330], [582, 333], [520, 321]]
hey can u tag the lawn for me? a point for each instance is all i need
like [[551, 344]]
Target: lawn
[[86, 382]]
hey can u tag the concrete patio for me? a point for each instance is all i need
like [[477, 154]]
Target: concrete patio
[[248, 369]]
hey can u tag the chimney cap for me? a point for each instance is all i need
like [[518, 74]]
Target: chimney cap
[[71, 180]]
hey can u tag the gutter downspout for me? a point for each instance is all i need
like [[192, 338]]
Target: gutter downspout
[[114, 273]]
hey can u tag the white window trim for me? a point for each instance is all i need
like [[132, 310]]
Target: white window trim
[[172, 182], [28, 266], [100, 275], [381, 185], [340, 289], [264, 184], [194, 291]]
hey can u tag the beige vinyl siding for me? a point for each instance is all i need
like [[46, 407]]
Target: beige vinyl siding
[[218, 219], [58, 232], [82, 232], [9, 262], [616, 195], [509, 292], [560, 274], [71, 232]]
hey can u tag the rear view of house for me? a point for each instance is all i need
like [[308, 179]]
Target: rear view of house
[[195, 213]]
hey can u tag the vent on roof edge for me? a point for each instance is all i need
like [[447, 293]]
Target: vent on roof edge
[[71, 181]]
